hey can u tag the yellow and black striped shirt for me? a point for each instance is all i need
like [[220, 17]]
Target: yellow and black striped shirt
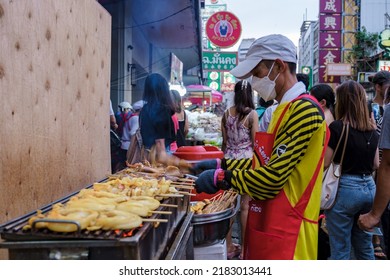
[[299, 125]]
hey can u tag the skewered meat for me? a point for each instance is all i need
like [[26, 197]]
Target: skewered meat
[[135, 207], [90, 204], [84, 217], [151, 202], [117, 219], [38, 216], [173, 171]]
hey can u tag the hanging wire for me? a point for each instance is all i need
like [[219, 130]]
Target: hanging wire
[[151, 22], [125, 76], [140, 77]]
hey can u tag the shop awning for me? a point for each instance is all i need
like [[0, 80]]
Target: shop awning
[[202, 95]]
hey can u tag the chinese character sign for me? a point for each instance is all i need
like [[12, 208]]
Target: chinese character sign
[[329, 56], [330, 22], [330, 42], [330, 6]]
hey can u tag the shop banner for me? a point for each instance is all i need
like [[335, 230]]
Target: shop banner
[[329, 56], [330, 22], [331, 6], [330, 40]]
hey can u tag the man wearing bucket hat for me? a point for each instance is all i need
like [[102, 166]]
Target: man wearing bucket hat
[[286, 175]]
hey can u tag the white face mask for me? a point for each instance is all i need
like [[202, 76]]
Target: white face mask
[[264, 86]]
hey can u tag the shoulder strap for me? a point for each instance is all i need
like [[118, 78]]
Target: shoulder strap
[[247, 116], [345, 126], [260, 112], [345, 143], [281, 117]]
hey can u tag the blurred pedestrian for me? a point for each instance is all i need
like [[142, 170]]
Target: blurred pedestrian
[[123, 118], [113, 123], [326, 97], [380, 206], [181, 118], [371, 219], [381, 82], [305, 79], [134, 120], [115, 141]]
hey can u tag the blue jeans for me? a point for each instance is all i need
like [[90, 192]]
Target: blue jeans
[[355, 196]]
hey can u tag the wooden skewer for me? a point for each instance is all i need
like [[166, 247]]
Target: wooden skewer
[[170, 195], [186, 180], [184, 187], [182, 183], [155, 220], [187, 193], [169, 205], [113, 177], [215, 197], [161, 212]]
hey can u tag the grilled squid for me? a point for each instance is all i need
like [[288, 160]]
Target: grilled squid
[[117, 219], [83, 216]]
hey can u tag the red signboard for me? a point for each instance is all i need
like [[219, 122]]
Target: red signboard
[[330, 40], [330, 6], [329, 56], [330, 22], [223, 29]]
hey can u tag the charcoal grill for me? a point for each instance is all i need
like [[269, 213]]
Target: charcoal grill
[[171, 240]]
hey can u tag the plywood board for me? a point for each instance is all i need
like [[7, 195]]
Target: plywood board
[[55, 88]]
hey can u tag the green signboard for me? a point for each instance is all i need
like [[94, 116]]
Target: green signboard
[[308, 71], [219, 61]]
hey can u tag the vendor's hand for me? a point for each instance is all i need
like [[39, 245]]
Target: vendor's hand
[[213, 180], [201, 166], [205, 182], [368, 221]]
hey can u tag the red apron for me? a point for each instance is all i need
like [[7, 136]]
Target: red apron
[[273, 225]]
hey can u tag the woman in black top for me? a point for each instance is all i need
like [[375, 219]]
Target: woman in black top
[[357, 187], [157, 129]]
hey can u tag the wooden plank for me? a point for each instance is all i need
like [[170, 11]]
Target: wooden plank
[[54, 82]]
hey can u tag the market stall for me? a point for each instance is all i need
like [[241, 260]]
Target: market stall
[[134, 214], [204, 128], [201, 95]]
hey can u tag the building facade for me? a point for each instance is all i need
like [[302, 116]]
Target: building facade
[[356, 15]]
